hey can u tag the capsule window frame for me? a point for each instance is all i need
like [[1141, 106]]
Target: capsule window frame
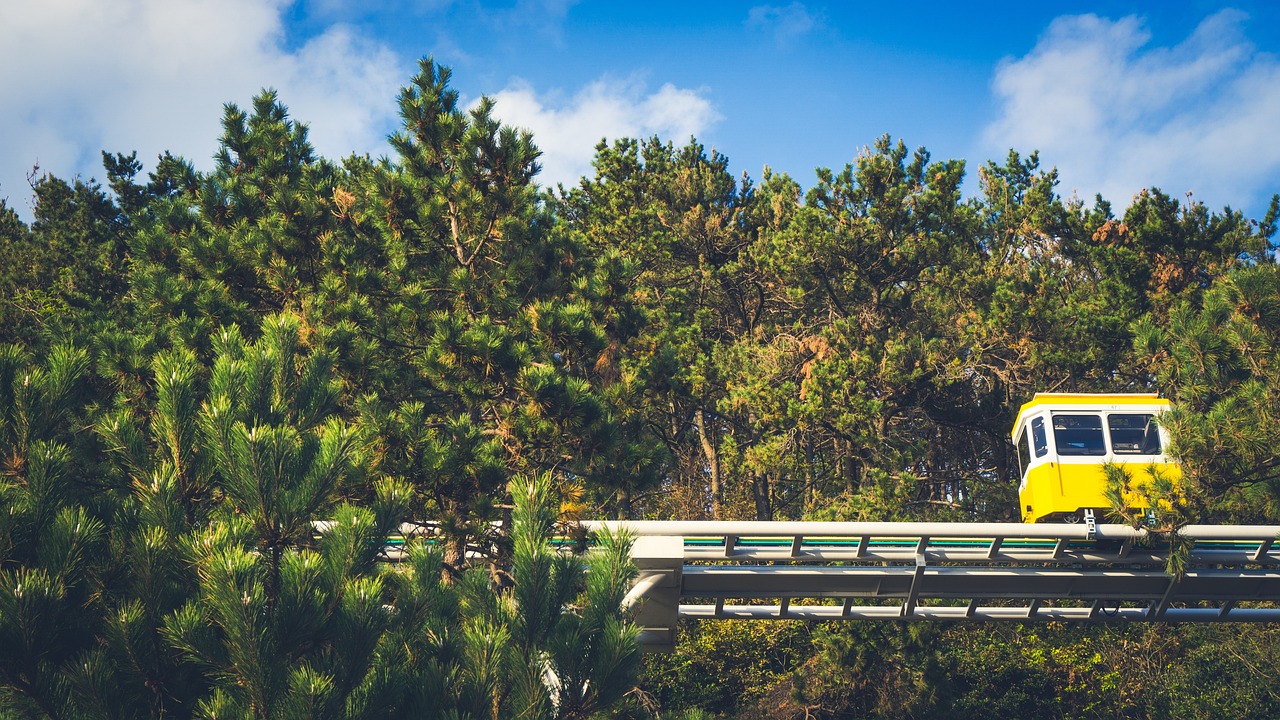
[[1023, 449]]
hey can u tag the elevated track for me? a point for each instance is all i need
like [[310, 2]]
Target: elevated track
[[947, 571]]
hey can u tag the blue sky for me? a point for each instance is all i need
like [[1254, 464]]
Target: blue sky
[[1183, 95]]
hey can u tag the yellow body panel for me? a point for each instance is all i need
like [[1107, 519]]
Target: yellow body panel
[[1056, 489]]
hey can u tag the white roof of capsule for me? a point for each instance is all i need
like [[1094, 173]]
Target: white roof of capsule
[[1090, 401]]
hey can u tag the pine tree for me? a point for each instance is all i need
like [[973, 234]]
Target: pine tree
[[554, 644], [66, 273], [233, 486], [483, 334], [678, 220], [232, 246], [1215, 359], [52, 569]]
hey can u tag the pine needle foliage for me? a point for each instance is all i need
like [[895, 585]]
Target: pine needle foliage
[[1216, 355], [553, 644], [52, 539]]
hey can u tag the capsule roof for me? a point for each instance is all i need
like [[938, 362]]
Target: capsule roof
[[1099, 400], [1091, 401]]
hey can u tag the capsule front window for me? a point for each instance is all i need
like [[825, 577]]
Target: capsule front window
[[1133, 434], [1079, 435]]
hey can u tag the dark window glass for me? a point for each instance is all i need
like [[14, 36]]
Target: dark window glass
[[1133, 434], [1024, 453], [1040, 437], [1078, 435]]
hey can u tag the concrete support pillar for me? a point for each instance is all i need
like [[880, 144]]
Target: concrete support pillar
[[655, 597]]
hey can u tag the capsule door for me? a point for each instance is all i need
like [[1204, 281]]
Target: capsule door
[[1080, 444], [1039, 487]]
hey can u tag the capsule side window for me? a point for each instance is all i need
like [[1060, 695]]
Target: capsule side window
[[1040, 437], [1024, 454], [1133, 434], [1079, 435]]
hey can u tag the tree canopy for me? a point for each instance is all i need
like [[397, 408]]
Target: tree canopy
[[224, 394]]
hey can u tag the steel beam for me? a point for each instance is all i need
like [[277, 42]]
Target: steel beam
[[1016, 613]]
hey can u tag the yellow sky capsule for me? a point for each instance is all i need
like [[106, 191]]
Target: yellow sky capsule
[[1064, 440]]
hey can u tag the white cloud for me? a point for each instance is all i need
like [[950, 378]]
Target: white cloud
[[567, 131], [544, 16], [345, 88], [80, 76], [788, 23], [1116, 115]]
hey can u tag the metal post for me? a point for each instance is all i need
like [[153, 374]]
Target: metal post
[[995, 547], [795, 545], [1263, 548], [909, 605]]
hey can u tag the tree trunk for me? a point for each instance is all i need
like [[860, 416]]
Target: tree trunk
[[810, 481], [760, 489], [455, 544], [712, 457], [849, 466], [624, 503], [1006, 473]]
